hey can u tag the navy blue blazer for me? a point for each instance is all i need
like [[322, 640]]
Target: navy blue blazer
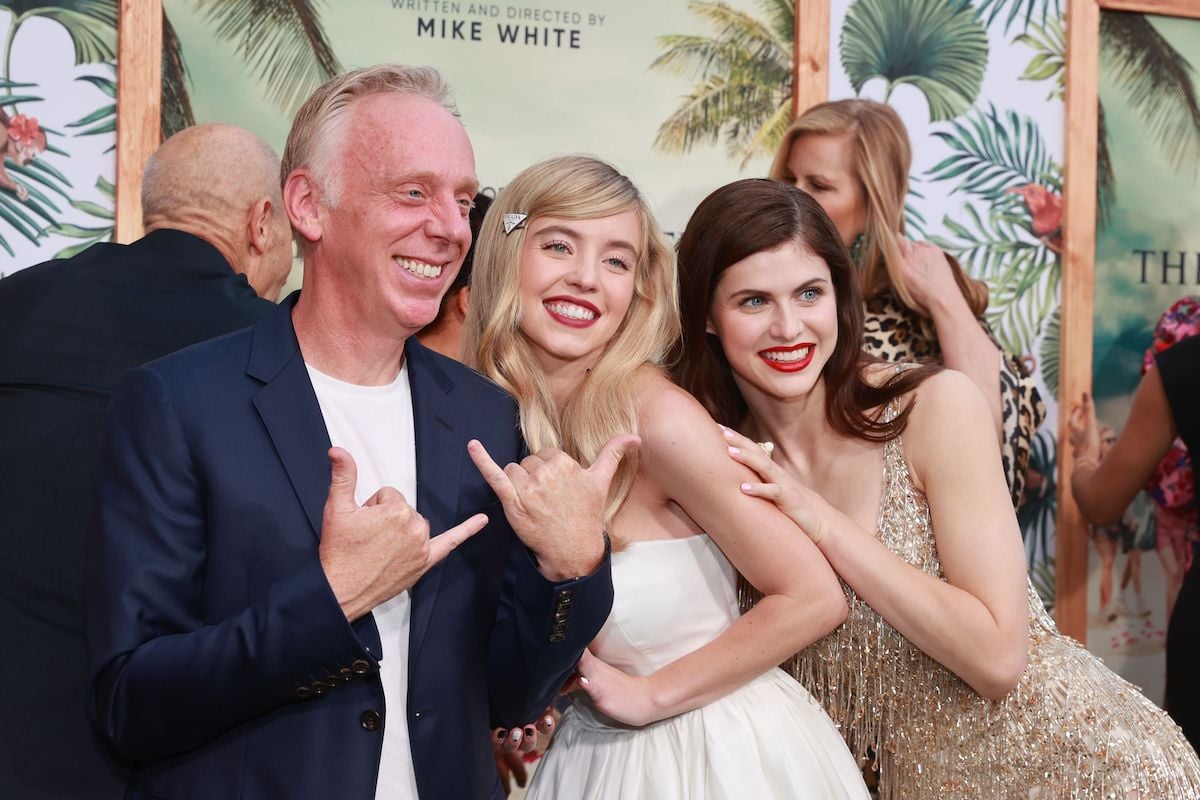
[[221, 662]]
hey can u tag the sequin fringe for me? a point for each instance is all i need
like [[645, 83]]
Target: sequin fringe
[[1072, 728]]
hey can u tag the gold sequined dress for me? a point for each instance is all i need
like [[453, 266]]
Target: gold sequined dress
[[1072, 728]]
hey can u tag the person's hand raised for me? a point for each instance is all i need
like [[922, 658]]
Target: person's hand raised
[[1083, 431], [373, 552], [556, 506]]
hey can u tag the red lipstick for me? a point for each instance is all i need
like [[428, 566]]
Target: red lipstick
[[791, 364]]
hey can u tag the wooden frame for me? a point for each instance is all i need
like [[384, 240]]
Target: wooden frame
[[810, 61], [139, 104], [1079, 253]]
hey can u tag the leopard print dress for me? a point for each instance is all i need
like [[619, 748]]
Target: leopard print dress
[[895, 333]]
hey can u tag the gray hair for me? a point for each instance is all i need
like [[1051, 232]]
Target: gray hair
[[312, 140]]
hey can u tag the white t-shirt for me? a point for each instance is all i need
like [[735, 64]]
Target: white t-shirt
[[375, 425]]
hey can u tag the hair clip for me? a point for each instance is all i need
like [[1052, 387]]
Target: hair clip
[[513, 221]]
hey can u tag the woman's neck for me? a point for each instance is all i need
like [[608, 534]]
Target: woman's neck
[[798, 427]]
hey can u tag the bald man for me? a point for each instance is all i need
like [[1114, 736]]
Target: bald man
[[217, 239]]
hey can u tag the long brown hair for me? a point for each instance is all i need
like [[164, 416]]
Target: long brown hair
[[881, 158], [734, 223]]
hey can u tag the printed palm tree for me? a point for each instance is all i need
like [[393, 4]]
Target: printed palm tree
[[1159, 84], [938, 46], [743, 74], [281, 42]]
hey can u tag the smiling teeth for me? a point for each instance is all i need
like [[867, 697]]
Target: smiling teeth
[[419, 267], [787, 356], [571, 310]]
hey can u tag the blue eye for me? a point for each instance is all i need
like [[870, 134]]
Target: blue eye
[[557, 247], [754, 302], [811, 295], [619, 263]]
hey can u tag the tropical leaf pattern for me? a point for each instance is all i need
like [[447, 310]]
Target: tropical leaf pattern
[[1020, 12], [92, 25], [89, 234], [35, 209], [743, 80], [1037, 516], [938, 46]]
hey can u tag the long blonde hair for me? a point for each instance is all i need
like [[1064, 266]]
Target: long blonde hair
[[882, 157], [605, 403]]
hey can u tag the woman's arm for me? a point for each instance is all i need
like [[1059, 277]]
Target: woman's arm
[[975, 622], [1103, 488], [684, 455], [965, 345]]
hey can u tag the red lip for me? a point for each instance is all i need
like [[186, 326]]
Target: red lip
[[788, 366], [571, 322]]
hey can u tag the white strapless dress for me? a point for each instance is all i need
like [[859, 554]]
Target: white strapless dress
[[768, 739]]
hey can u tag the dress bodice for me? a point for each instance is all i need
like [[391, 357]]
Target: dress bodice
[[1070, 729], [670, 597]]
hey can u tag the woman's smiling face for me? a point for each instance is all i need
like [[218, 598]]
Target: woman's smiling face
[[577, 282], [775, 313]]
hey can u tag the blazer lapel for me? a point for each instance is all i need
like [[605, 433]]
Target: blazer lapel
[[437, 422], [288, 408]]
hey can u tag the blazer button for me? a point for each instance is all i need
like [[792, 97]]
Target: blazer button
[[370, 720], [319, 687], [361, 667], [303, 692]]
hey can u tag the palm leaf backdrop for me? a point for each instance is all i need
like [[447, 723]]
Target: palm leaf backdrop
[[104, 119], [1020, 12], [992, 153], [1049, 43], [90, 234], [743, 80], [92, 25], [176, 104], [1159, 83], [1023, 273], [282, 42], [1036, 516], [938, 46], [1049, 353]]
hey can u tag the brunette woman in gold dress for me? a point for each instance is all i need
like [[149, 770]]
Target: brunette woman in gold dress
[[947, 670]]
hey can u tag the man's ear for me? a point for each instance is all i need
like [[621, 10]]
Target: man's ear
[[301, 199], [258, 226], [462, 300]]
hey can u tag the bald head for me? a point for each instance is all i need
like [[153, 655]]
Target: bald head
[[221, 183]]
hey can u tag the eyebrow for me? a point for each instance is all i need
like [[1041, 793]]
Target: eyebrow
[[566, 230], [807, 284], [425, 176]]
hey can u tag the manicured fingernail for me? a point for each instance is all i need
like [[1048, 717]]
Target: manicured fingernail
[[529, 730], [549, 720], [745, 487], [501, 735], [583, 679], [516, 734], [733, 451]]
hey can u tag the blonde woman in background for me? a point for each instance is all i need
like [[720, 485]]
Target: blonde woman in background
[[573, 306], [853, 157]]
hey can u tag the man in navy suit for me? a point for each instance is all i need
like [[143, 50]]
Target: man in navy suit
[[269, 616], [69, 329]]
